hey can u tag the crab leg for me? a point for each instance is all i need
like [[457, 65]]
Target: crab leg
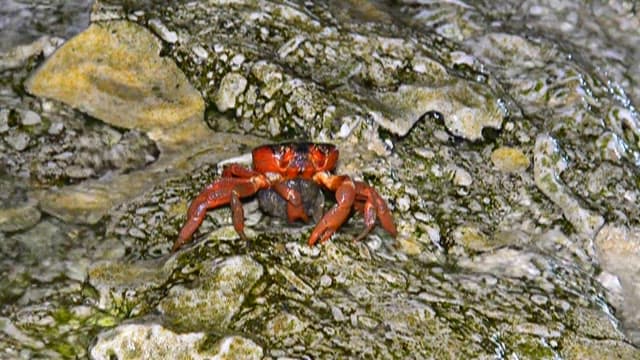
[[345, 191], [374, 207], [223, 191]]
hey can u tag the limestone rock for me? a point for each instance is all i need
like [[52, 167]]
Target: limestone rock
[[113, 71]]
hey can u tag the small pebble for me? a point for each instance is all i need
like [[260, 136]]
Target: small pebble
[[325, 281], [509, 160], [461, 177], [162, 31], [56, 128], [137, 233], [78, 172], [29, 118], [18, 141], [404, 203]]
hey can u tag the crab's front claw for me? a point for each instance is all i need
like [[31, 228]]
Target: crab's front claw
[[220, 192], [334, 218]]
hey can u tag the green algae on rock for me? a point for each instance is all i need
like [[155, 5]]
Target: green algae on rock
[[215, 297], [122, 287], [147, 341]]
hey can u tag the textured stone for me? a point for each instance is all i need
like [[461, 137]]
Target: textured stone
[[232, 85], [153, 341], [220, 290], [507, 159], [467, 108], [106, 70]]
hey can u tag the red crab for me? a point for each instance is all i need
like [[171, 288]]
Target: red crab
[[289, 169]]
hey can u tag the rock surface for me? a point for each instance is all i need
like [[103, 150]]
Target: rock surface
[[508, 160], [118, 58], [152, 341]]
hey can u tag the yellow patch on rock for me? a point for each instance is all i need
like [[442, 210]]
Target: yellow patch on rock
[[508, 159], [410, 247], [113, 71]]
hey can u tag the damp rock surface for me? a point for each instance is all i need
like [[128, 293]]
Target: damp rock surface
[[507, 158], [132, 342], [215, 297]]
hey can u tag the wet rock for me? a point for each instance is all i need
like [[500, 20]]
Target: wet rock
[[153, 341], [467, 108], [612, 147], [237, 348], [108, 68], [19, 55], [582, 348], [285, 324], [618, 250], [526, 288], [216, 296], [4, 121], [161, 30], [122, 287], [56, 128], [77, 204], [10, 330], [77, 172], [548, 165], [501, 261], [46, 240], [472, 238], [461, 177]]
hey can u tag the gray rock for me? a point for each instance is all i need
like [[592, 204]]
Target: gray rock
[[231, 87], [161, 30], [4, 121], [457, 280], [29, 118], [153, 341], [19, 216], [217, 296], [548, 164], [18, 140], [55, 128], [18, 56]]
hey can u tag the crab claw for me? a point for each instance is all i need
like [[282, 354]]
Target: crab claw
[[350, 194], [334, 218]]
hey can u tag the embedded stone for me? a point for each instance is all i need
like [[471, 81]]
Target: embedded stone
[[507, 159], [231, 86]]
